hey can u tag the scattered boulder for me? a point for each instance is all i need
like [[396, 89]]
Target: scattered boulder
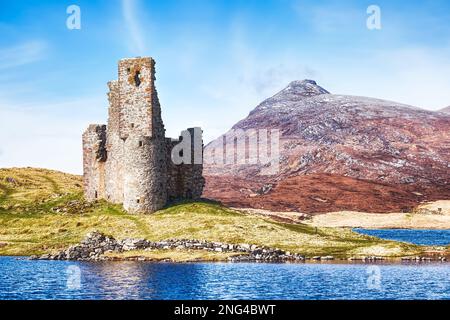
[[134, 244], [327, 258], [368, 259], [91, 248], [423, 259], [73, 207]]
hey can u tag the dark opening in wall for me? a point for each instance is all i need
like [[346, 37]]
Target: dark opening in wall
[[137, 78], [141, 143], [132, 125], [96, 194], [138, 200]]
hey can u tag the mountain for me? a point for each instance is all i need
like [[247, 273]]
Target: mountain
[[337, 152], [445, 110]]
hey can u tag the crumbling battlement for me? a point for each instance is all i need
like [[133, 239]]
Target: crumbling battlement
[[129, 161]]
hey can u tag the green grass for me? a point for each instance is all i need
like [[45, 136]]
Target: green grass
[[30, 225]]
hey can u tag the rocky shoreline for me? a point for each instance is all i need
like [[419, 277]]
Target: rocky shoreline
[[96, 246]]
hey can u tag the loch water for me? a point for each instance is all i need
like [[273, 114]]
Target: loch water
[[414, 236], [31, 279]]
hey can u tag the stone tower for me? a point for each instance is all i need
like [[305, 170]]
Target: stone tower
[[129, 160]]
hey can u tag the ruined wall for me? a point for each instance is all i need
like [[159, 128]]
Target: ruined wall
[[185, 181], [129, 161], [193, 173], [136, 77], [175, 179], [115, 148], [145, 185], [141, 128], [94, 157]]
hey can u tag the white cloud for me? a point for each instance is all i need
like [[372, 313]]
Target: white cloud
[[21, 54], [130, 15]]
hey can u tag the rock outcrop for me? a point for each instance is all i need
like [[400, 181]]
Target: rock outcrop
[[337, 152]]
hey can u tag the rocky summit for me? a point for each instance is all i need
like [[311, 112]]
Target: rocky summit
[[445, 110], [337, 152]]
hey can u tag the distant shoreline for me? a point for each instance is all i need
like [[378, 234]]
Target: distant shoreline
[[426, 216]]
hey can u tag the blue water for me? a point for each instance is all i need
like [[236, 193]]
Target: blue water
[[419, 237], [25, 279]]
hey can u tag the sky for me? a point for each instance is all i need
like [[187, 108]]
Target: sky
[[216, 61]]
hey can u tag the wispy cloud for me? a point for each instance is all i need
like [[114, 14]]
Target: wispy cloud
[[129, 10], [22, 54]]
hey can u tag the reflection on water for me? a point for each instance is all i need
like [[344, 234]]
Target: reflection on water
[[24, 279]]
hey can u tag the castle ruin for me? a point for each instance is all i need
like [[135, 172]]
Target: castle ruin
[[129, 161]]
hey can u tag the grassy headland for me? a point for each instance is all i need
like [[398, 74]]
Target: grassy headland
[[43, 211]]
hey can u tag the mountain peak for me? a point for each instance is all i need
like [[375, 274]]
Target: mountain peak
[[445, 110], [295, 91], [299, 89], [305, 88], [303, 82]]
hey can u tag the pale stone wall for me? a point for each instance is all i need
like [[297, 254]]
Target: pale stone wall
[[94, 157], [141, 127], [115, 148], [185, 181], [129, 162], [136, 83]]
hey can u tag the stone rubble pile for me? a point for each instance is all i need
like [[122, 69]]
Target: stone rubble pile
[[96, 244], [366, 259], [424, 259], [91, 248], [74, 207]]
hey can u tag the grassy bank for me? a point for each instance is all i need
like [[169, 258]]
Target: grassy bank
[[42, 211]]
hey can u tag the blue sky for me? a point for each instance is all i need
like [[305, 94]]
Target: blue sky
[[216, 60]]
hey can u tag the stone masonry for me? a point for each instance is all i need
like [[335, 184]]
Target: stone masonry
[[129, 161]]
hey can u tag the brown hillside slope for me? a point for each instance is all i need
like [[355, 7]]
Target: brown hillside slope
[[352, 153]]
